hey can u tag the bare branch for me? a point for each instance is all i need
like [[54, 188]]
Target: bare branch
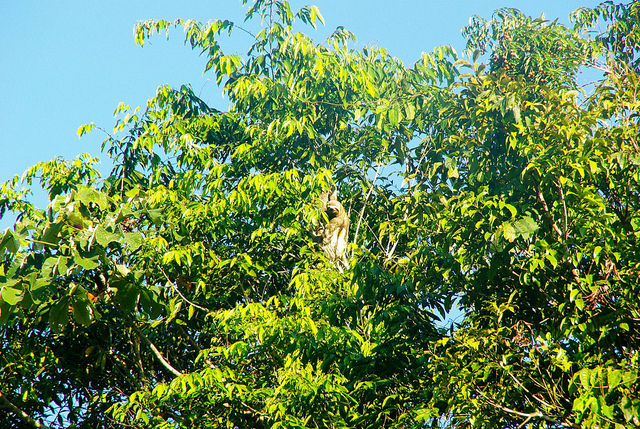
[[528, 416], [366, 198], [148, 342], [564, 211], [153, 348], [522, 386], [174, 286], [547, 212], [561, 235], [5, 404], [602, 68]]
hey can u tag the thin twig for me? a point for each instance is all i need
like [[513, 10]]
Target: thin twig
[[253, 410], [366, 198], [536, 414], [415, 171], [522, 386], [603, 69], [124, 370], [562, 236], [374, 235], [175, 288], [191, 340], [524, 423]]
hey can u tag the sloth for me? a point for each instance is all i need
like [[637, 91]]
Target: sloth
[[333, 236]]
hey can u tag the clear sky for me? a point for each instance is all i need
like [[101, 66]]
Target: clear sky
[[65, 63]]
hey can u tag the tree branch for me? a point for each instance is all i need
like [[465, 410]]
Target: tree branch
[[145, 339], [124, 369], [366, 198], [174, 286], [523, 387], [562, 236], [153, 348], [603, 69], [528, 416], [5, 404], [547, 212], [564, 211]]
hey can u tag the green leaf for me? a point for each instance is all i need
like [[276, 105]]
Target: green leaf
[[82, 310], [585, 375], [614, 376], [133, 240], [624, 325], [59, 315], [90, 195], [149, 302], [516, 113], [394, 116], [48, 266], [87, 263], [607, 410], [387, 399], [526, 227], [573, 294], [50, 235], [127, 295], [509, 231], [6, 310], [155, 215], [85, 129], [11, 295], [62, 265], [409, 111], [104, 237], [511, 209], [9, 242], [626, 405], [550, 256], [452, 168]]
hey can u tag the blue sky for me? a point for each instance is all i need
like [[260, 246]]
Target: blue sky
[[65, 63]]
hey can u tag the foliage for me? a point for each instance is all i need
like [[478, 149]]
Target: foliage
[[532, 49], [621, 40], [185, 290]]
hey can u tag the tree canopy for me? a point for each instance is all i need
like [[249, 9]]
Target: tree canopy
[[184, 289]]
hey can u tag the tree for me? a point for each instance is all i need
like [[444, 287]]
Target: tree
[[185, 289]]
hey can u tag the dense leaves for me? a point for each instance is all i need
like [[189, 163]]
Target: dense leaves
[[185, 289]]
